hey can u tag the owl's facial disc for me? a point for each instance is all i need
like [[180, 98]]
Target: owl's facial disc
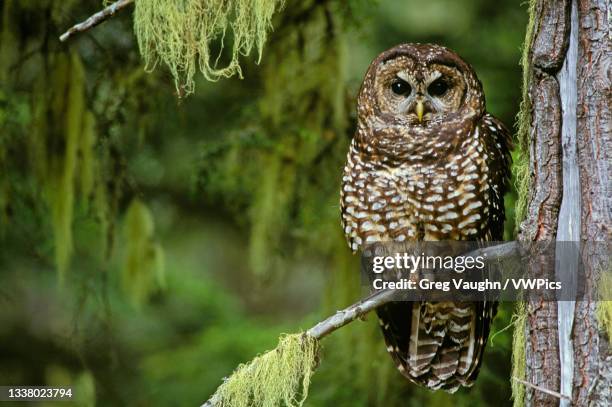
[[420, 93], [438, 90], [417, 98]]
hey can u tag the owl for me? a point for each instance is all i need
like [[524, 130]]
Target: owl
[[427, 163]]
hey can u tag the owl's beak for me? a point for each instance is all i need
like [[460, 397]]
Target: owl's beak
[[420, 109]]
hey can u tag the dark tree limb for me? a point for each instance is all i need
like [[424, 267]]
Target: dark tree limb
[[95, 19]]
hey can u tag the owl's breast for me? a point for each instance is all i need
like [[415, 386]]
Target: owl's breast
[[376, 206], [443, 200]]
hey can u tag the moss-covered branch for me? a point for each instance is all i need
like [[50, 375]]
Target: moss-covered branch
[[282, 376], [183, 35]]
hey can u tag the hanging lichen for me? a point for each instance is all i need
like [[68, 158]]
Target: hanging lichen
[[523, 122], [143, 267], [181, 34], [270, 210], [62, 171], [61, 148], [57, 128], [276, 171], [311, 139], [280, 377]]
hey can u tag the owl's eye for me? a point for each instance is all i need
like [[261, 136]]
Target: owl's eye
[[400, 87], [438, 88]]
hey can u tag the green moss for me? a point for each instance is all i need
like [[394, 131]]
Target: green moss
[[181, 35], [278, 172], [520, 169], [143, 267], [523, 123], [270, 213], [61, 148], [522, 176], [56, 145], [280, 377]]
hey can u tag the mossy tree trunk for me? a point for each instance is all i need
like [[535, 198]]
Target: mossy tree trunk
[[569, 141]]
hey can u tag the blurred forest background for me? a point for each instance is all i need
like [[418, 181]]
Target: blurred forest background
[[150, 243]]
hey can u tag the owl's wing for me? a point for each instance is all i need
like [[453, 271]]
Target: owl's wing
[[498, 145]]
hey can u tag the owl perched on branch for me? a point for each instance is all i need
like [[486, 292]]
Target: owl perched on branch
[[427, 163]]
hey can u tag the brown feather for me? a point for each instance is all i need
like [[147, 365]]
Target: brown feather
[[442, 179]]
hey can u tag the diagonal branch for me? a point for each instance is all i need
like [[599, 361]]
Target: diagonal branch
[[337, 321], [378, 298], [351, 313], [95, 19]]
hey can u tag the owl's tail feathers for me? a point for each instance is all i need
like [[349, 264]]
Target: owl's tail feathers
[[436, 345]]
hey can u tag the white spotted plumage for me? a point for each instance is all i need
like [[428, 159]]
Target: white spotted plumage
[[442, 178]]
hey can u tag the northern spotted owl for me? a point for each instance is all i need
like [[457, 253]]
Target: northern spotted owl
[[427, 162]]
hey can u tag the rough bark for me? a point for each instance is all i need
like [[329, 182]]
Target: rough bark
[[551, 37], [593, 359], [546, 56], [570, 147]]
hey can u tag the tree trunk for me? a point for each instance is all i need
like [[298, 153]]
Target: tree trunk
[[570, 143]]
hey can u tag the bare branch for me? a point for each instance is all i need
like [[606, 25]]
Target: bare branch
[[375, 300], [95, 19], [542, 389], [351, 313]]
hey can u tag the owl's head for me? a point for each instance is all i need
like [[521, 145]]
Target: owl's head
[[420, 92]]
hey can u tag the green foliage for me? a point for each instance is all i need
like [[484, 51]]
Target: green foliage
[[57, 154], [82, 385], [258, 248], [280, 173], [87, 165], [181, 34]]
